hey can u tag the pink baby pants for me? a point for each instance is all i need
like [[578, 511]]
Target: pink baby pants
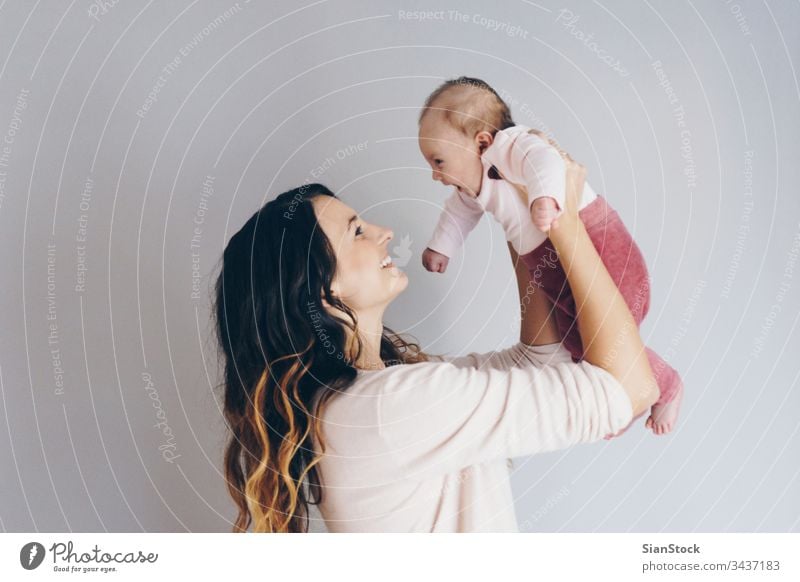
[[625, 264]]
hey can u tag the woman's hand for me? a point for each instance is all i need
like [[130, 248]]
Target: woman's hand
[[576, 179]]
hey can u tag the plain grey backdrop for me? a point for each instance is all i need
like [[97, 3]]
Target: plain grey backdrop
[[137, 137]]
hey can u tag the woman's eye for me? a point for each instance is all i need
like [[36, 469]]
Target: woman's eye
[[358, 230]]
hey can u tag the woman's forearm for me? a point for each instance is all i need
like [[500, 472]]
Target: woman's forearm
[[608, 331], [537, 324]]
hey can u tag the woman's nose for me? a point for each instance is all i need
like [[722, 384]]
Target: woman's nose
[[386, 235]]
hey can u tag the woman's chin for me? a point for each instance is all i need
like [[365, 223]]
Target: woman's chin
[[398, 280]]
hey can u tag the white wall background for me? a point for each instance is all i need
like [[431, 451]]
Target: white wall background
[[700, 162]]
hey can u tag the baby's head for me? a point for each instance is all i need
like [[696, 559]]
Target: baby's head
[[457, 122]]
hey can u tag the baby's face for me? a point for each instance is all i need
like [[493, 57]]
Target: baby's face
[[454, 158]]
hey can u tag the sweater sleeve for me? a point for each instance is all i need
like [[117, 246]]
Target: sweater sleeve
[[459, 217], [438, 417], [520, 354], [525, 158]]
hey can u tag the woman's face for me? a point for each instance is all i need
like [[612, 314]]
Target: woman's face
[[361, 281]]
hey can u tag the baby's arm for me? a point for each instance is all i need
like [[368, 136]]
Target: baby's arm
[[434, 261], [457, 220], [535, 162], [544, 213]]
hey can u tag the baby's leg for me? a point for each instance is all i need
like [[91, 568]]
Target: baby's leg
[[619, 253], [626, 266], [625, 263], [621, 256], [664, 414], [622, 259]]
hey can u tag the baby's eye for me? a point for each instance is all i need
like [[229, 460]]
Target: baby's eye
[[438, 162], [358, 230]]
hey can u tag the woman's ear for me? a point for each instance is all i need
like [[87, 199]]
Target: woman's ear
[[484, 139], [334, 293]]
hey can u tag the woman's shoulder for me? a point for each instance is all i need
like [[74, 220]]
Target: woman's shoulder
[[374, 380], [370, 384], [518, 354]]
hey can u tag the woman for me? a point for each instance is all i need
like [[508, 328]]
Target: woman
[[328, 406]]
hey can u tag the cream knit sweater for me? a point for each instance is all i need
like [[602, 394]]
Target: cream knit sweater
[[425, 447]]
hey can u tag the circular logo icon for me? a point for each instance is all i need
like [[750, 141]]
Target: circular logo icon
[[31, 555]]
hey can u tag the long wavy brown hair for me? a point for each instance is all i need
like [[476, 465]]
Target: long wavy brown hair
[[284, 358]]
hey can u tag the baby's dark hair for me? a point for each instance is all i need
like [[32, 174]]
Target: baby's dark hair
[[470, 105]]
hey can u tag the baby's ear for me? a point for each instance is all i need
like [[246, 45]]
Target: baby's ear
[[484, 139]]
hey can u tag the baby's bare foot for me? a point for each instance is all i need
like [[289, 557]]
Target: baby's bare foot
[[664, 417]]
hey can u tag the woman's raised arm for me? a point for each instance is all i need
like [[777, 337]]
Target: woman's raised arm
[[608, 331], [537, 323]]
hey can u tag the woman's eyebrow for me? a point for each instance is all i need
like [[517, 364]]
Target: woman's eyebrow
[[351, 221]]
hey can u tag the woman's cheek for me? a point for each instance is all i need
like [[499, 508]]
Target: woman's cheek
[[364, 275]]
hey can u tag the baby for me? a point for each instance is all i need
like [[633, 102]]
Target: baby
[[467, 136]]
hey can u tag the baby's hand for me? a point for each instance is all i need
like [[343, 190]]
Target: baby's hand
[[434, 262], [543, 213]]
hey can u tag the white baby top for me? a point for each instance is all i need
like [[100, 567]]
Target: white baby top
[[425, 447], [523, 159]]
